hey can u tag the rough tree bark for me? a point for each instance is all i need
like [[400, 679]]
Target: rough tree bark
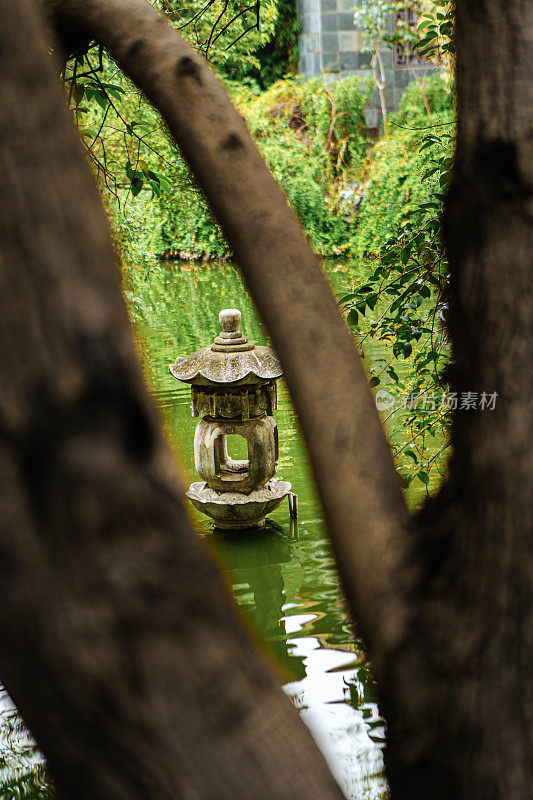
[[482, 566], [442, 602], [120, 644], [471, 734]]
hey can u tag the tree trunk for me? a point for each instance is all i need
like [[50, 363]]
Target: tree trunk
[[120, 644], [469, 732], [380, 81]]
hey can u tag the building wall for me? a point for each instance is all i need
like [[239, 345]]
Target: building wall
[[331, 46]]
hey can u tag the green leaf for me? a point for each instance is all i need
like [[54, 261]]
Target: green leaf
[[371, 301], [412, 455], [375, 381], [429, 173], [90, 133], [423, 476], [396, 304], [144, 166], [405, 479], [114, 90], [78, 90], [101, 98], [352, 316], [393, 375], [136, 186], [346, 297]]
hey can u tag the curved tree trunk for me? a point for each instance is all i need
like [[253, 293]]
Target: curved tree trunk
[[349, 454], [461, 719], [489, 237], [120, 644]]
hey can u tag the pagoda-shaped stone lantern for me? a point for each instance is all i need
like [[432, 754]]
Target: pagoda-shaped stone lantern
[[233, 386]]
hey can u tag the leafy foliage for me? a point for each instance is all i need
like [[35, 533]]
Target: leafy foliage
[[408, 288], [111, 113], [397, 177], [403, 303], [435, 32], [312, 137], [228, 33], [279, 56], [373, 18]]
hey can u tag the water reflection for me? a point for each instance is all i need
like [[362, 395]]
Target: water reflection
[[22, 773], [270, 577], [284, 580], [253, 569], [340, 729]]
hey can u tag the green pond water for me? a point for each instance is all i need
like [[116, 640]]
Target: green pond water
[[284, 578]]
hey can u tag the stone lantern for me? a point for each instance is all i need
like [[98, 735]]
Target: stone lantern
[[233, 383]]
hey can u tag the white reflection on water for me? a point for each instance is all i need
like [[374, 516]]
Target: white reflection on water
[[340, 731], [18, 753]]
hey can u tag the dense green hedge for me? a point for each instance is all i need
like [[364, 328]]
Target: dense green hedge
[[395, 180], [349, 195], [312, 138]]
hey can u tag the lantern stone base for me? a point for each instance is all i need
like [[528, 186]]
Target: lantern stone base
[[234, 511]]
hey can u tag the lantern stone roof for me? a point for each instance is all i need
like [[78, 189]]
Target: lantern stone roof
[[231, 359]]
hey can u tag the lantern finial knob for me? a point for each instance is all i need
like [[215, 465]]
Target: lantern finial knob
[[230, 320], [230, 339]]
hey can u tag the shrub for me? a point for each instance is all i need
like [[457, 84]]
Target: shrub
[[396, 179]]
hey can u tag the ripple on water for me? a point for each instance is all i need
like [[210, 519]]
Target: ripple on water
[[284, 579]]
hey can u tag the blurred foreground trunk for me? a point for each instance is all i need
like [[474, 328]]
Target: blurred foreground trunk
[[120, 644]]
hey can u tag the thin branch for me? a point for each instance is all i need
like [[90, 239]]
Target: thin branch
[[236, 17], [361, 495]]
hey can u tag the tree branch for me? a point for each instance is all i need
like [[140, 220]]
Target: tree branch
[[351, 460]]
